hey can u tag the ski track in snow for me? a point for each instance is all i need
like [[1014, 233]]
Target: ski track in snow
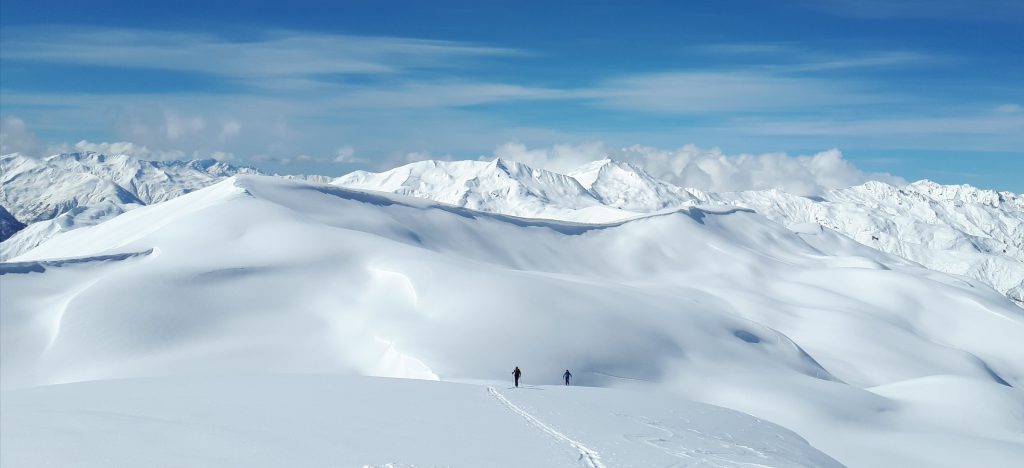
[[589, 457]]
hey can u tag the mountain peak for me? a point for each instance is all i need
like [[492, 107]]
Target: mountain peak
[[626, 186]]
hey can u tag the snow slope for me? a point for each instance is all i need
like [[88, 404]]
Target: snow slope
[[873, 359], [954, 229], [325, 421]]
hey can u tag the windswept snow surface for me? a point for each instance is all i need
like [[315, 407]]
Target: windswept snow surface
[[872, 359], [321, 421]]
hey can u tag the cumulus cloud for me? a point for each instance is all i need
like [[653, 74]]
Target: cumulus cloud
[[710, 169], [179, 126], [17, 137], [229, 129]]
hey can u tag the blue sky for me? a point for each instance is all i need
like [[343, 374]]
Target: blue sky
[[919, 89]]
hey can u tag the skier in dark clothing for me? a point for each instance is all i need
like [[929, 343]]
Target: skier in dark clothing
[[567, 376], [516, 373]]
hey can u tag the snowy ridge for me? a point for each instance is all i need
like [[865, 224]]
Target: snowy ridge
[[955, 229]]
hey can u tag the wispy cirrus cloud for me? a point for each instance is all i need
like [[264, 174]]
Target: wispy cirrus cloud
[[727, 91], [283, 57], [796, 57]]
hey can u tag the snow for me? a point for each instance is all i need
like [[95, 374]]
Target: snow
[[873, 359], [330, 421]]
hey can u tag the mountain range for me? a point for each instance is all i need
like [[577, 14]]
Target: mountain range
[[954, 229]]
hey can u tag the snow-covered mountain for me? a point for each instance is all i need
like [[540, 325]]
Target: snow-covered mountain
[[874, 360], [37, 190], [40, 189], [628, 187], [498, 186], [67, 191], [955, 229]]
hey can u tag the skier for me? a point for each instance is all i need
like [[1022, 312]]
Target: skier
[[516, 373], [567, 376]]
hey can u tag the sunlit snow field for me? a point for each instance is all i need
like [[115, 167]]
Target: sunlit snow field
[[229, 327]]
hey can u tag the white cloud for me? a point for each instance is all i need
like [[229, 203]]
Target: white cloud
[[344, 155], [797, 57], [709, 169], [176, 126], [111, 148], [17, 137], [230, 129]]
